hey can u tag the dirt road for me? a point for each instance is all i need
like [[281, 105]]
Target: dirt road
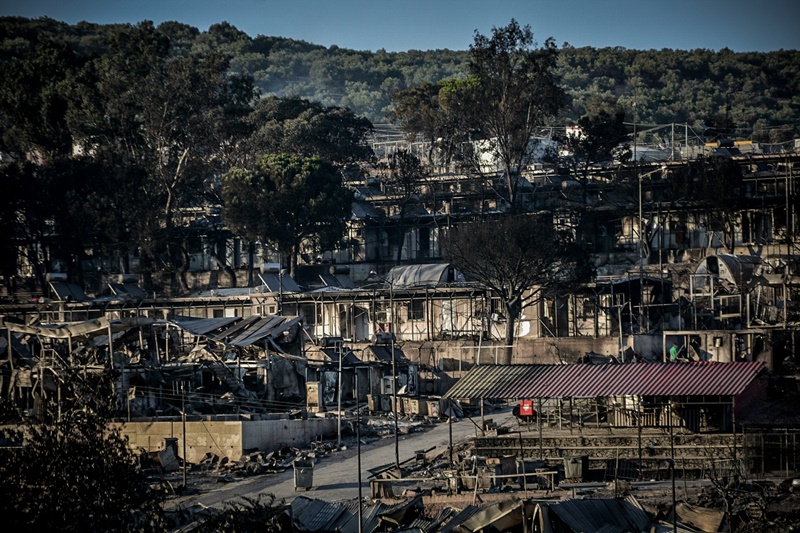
[[336, 477]]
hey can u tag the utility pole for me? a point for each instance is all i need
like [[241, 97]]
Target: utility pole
[[635, 118], [183, 420], [672, 467], [339, 407], [394, 383], [374, 274], [358, 448], [642, 256], [450, 428], [281, 273]]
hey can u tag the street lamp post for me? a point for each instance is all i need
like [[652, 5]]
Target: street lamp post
[[641, 243], [394, 370]]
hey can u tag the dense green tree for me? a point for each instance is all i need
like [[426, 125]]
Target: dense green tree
[[288, 201], [55, 211], [520, 258], [34, 102], [417, 112], [8, 225], [299, 127], [71, 471], [154, 115], [676, 85], [26, 219], [437, 114], [173, 118], [181, 37], [511, 93], [514, 94]]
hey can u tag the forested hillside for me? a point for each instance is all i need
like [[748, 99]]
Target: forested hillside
[[750, 95]]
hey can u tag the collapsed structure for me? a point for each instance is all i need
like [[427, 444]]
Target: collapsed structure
[[228, 370]]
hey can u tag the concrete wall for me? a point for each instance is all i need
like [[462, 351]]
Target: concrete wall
[[271, 434], [227, 439], [545, 350], [554, 350]]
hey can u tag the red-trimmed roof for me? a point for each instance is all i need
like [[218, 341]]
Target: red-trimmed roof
[[588, 381]]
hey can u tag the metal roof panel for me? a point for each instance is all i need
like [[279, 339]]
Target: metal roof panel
[[588, 381]]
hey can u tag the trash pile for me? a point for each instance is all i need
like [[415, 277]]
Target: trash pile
[[167, 465]]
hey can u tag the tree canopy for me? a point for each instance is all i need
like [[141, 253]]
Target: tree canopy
[[131, 131], [288, 201], [752, 90], [510, 93], [295, 126], [131, 125], [516, 93], [169, 117]]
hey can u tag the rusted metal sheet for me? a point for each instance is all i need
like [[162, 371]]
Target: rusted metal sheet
[[697, 378]]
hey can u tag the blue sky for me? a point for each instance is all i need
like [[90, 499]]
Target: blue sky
[[741, 25]]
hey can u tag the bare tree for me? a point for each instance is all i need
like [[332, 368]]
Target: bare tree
[[520, 258]]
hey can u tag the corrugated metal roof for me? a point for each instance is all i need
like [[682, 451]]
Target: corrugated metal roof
[[131, 290], [268, 328], [241, 332], [467, 513], [363, 209], [695, 378], [314, 515], [595, 515], [88, 328], [235, 329], [500, 516], [349, 358], [318, 515], [339, 281], [204, 326]]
